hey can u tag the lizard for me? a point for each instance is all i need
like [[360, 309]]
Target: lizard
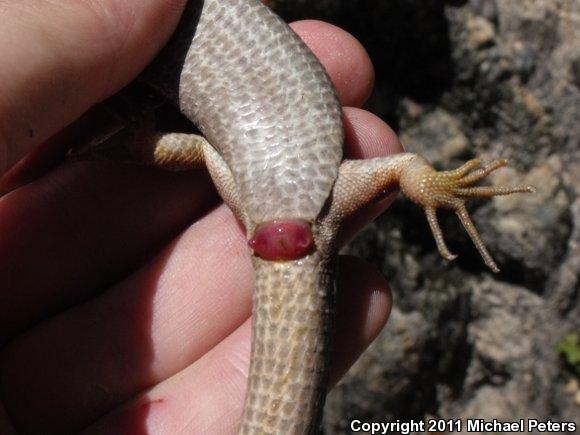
[[271, 139]]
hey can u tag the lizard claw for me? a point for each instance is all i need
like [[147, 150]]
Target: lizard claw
[[433, 189]]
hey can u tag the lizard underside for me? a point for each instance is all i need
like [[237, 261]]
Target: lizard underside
[[272, 138]]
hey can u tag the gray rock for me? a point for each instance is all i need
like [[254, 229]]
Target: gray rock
[[458, 79]]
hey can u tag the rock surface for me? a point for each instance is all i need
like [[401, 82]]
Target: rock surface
[[458, 79]]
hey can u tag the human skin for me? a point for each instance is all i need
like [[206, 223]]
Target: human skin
[[126, 291]]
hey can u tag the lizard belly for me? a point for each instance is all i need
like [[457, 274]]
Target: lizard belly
[[264, 101]]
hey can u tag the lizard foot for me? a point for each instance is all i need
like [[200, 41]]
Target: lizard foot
[[432, 189]]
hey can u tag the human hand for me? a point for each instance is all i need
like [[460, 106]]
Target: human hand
[[126, 293]]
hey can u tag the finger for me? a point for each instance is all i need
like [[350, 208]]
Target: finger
[[69, 223], [367, 136], [344, 58], [52, 152], [83, 226], [363, 307], [55, 69], [145, 329], [207, 397]]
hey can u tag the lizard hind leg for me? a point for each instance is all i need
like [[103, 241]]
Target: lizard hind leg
[[169, 151], [186, 151], [361, 182], [433, 189], [144, 145]]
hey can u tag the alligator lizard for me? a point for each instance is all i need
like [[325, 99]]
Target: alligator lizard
[[272, 141]]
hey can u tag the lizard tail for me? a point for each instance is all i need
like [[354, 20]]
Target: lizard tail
[[293, 317]]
